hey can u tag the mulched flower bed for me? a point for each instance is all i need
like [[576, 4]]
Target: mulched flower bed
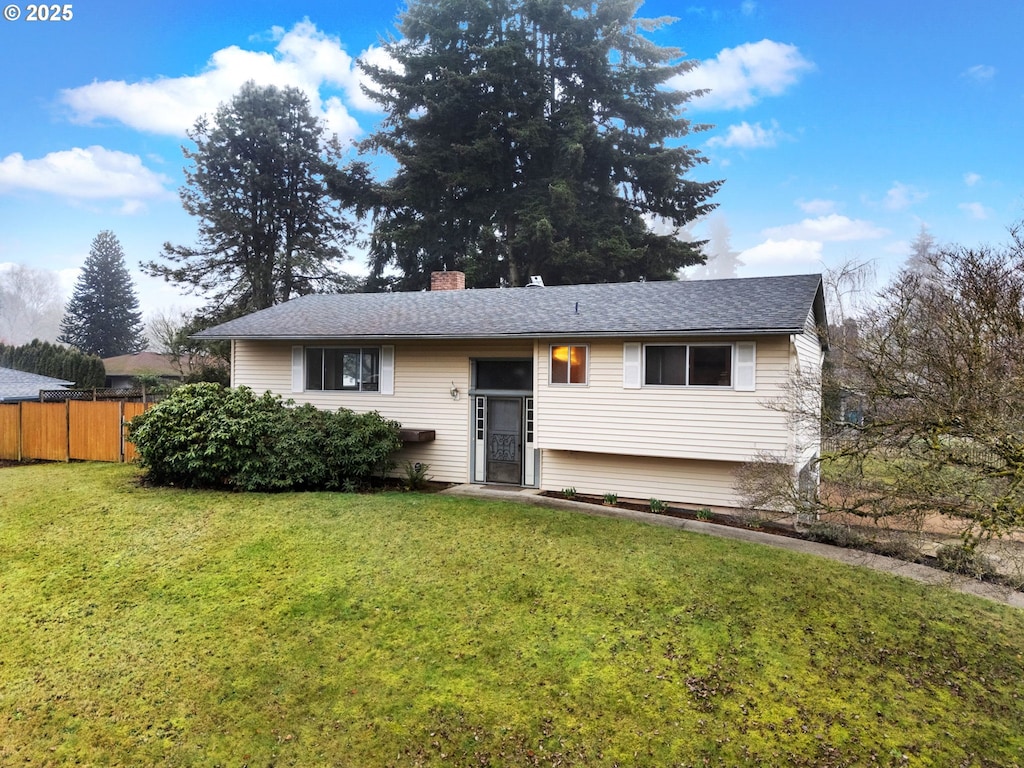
[[730, 521]]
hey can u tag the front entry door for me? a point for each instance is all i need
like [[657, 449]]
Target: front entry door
[[505, 440]]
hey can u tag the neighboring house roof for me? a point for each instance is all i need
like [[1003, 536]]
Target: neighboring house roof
[[21, 385], [141, 364], [741, 306]]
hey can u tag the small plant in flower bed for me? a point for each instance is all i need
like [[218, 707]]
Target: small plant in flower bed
[[657, 506], [837, 534], [611, 499], [704, 513], [569, 493], [956, 558], [416, 475]]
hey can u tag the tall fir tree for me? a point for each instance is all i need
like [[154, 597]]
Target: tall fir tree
[[924, 252], [533, 137], [102, 317], [270, 202]]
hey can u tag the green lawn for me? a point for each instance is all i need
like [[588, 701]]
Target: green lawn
[[144, 626]]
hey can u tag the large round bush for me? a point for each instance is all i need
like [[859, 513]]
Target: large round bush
[[205, 435]]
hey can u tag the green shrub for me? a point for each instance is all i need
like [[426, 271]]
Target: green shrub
[[416, 475], [899, 547], [956, 558], [205, 435], [838, 534]]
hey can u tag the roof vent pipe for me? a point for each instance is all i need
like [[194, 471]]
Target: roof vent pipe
[[536, 281]]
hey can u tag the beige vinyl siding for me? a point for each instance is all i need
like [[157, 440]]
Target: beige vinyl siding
[[809, 358], [262, 366], [707, 423], [696, 483], [808, 346], [425, 372]]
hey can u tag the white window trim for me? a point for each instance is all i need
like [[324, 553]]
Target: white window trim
[[298, 368], [744, 370], [586, 367], [385, 372], [743, 373], [632, 365]]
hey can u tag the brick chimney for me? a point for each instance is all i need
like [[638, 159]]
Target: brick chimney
[[447, 281]]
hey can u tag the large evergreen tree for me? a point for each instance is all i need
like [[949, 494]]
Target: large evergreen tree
[[269, 199], [102, 317], [923, 251], [533, 137]]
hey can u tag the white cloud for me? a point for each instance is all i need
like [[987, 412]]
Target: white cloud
[[970, 179], [304, 57], [782, 253], [817, 207], [68, 278], [375, 57], [749, 136], [979, 73], [132, 207], [92, 173], [830, 228], [975, 210], [901, 196], [740, 77]]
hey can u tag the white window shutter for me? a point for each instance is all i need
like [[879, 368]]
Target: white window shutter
[[631, 364], [387, 369], [746, 367], [298, 372]]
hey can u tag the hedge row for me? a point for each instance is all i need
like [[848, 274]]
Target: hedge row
[[54, 360]]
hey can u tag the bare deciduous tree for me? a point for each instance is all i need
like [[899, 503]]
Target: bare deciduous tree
[[169, 333], [31, 305], [938, 365]]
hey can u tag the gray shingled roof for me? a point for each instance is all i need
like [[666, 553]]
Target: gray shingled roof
[[741, 306], [19, 385]]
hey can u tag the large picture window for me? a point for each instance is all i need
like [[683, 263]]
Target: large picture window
[[569, 364], [688, 365], [337, 368]]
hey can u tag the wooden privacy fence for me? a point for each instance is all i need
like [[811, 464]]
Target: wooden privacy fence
[[87, 430]]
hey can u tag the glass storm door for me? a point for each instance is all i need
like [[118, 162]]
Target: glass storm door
[[505, 440]]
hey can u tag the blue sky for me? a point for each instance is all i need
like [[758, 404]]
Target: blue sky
[[839, 128]]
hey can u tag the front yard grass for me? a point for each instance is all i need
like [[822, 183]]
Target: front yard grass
[[146, 626]]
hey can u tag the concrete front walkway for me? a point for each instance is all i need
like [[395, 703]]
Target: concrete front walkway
[[915, 571]]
